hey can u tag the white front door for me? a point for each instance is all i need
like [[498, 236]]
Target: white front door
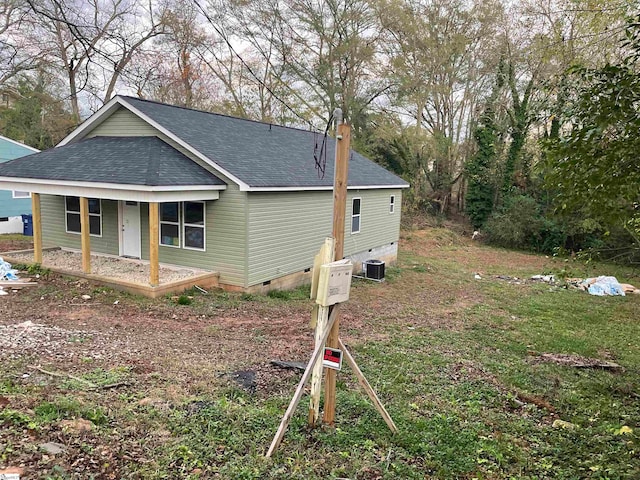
[[131, 229]]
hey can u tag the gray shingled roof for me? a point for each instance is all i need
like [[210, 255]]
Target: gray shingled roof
[[260, 154], [122, 160]]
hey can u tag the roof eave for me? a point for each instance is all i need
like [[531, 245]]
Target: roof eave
[[320, 188], [113, 191]]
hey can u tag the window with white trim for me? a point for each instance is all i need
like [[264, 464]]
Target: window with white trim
[[193, 225], [355, 215], [72, 215], [170, 224], [392, 203], [20, 194]]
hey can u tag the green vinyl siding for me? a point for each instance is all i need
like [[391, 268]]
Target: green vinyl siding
[[225, 218], [377, 226], [124, 123], [54, 228], [225, 239], [287, 229]]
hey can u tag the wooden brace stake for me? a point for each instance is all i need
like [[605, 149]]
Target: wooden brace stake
[[367, 387], [298, 393]]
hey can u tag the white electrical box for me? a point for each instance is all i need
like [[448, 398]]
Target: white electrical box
[[334, 282]]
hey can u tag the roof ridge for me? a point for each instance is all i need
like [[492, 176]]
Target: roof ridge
[[217, 114]]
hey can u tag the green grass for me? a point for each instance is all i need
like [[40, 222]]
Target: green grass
[[464, 389]]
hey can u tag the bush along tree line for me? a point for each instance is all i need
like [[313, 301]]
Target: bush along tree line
[[583, 194], [519, 115]]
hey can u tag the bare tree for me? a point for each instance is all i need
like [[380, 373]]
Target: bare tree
[[94, 41], [17, 52]]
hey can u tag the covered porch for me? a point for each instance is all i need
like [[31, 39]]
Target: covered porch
[[130, 196]]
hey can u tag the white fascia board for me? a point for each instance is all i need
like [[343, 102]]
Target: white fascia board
[[182, 143], [112, 191], [325, 188], [94, 120], [34, 150]]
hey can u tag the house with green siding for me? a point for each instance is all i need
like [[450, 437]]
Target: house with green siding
[[235, 196], [13, 203]]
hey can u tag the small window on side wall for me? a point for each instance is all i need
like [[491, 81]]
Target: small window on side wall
[[21, 194], [392, 203], [355, 215]]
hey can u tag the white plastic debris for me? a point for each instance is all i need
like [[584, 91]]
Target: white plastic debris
[[604, 285], [7, 272], [477, 277]]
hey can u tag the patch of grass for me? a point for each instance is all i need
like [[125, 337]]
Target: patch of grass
[[99, 377], [184, 300], [33, 269], [16, 418], [280, 294], [299, 293], [68, 407]]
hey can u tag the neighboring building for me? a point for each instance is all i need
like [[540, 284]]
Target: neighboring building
[[8, 97], [237, 197], [15, 203]]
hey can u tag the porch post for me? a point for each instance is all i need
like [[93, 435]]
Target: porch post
[[37, 227], [84, 235], [154, 276]]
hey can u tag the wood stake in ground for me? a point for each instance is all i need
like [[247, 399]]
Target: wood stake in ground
[[367, 387]]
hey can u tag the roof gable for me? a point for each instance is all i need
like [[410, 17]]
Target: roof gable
[[255, 155]]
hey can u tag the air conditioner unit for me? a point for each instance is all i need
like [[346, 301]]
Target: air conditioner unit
[[373, 269]]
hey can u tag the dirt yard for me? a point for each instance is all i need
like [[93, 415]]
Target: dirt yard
[[72, 352]]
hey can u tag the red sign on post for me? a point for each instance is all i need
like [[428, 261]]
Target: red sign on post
[[332, 358]]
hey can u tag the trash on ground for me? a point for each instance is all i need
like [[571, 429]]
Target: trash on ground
[[7, 272], [544, 278], [291, 365], [477, 276], [576, 361], [603, 285], [628, 288]]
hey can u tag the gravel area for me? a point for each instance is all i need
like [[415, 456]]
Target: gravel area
[[112, 267], [50, 342]]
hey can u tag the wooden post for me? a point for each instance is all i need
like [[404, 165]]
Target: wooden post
[[37, 227], [343, 150], [84, 235], [154, 275]]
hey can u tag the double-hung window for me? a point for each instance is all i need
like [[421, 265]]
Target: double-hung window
[[182, 224], [170, 224], [392, 203], [193, 225], [355, 215], [72, 215]]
